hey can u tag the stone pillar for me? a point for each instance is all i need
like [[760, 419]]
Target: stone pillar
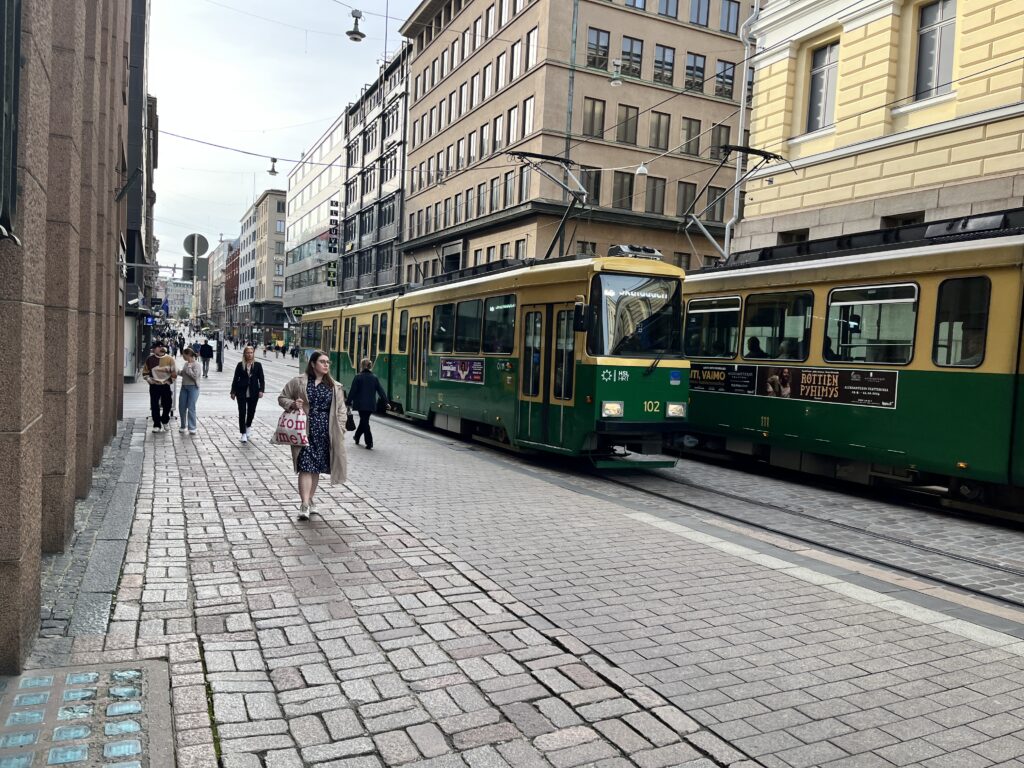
[[22, 295], [63, 217]]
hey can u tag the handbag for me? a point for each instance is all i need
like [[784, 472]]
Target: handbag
[[291, 429], [350, 424]]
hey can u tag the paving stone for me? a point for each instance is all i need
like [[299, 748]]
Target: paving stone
[[429, 739]]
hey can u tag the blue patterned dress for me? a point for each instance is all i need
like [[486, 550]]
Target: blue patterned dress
[[316, 457]]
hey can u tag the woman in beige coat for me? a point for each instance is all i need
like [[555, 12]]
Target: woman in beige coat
[[323, 400]]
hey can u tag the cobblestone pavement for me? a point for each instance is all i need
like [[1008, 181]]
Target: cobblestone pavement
[[455, 607]]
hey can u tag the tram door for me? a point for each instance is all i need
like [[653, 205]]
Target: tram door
[[547, 378], [416, 364]]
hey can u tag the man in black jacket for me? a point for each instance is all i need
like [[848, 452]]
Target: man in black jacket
[[206, 355], [362, 397]]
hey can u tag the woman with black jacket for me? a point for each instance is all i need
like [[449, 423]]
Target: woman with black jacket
[[246, 389]]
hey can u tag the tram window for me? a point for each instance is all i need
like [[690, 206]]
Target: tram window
[[961, 322], [467, 327], [443, 339], [564, 357], [532, 338], [712, 327], [372, 350], [871, 324], [383, 332], [777, 326], [499, 324], [403, 330], [353, 351], [344, 334]]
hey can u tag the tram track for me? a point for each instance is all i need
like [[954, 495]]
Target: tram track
[[971, 580]]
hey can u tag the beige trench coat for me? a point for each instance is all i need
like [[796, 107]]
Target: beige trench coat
[[296, 390]]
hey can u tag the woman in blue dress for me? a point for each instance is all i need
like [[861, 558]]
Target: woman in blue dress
[[323, 400]]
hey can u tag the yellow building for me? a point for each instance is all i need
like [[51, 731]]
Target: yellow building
[[889, 113]]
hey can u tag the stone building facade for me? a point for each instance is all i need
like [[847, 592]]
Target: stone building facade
[[62, 298], [889, 113], [655, 83]]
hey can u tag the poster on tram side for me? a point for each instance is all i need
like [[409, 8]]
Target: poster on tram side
[[466, 370], [843, 386]]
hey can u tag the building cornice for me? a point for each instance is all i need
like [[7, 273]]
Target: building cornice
[[915, 134]]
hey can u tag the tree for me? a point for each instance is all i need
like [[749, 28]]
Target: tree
[[183, 313]]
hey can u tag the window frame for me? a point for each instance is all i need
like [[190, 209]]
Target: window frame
[[739, 323], [803, 343], [984, 328], [459, 349], [442, 345], [862, 363]]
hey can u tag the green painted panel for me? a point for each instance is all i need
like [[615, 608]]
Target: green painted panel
[[940, 418]]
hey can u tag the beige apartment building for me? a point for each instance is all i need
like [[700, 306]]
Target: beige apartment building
[[889, 113], [653, 82]]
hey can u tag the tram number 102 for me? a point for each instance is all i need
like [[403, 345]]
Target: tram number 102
[[652, 406]]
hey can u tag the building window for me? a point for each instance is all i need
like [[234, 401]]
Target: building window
[[903, 220], [668, 8], [632, 56], [516, 60], [793, 236], [279, 226], [495, 194], [821, 103], [664, 64], [690, 136], [531, 48], [694, 72], [660, 124], [730, 16], [520, 249], [510, 189], [720, 135], [716, 204], [593, 117], [699, 12], [524, 184], [513, 124], [586, 248], [280, 206], [685, 198], [625, 131], [655, 195], [528, 116], [279, 248], [622, 190], [639, 4], [936, 28], [590, 178], [725, 76], [597, 48]]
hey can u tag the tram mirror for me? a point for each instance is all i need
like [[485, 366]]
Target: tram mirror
[[579, 315]]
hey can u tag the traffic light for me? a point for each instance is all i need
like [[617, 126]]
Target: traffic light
[[187, 268], [332, 274]]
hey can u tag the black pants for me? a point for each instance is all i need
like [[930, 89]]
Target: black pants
[[364, 428], [160, 403], [246, 409]]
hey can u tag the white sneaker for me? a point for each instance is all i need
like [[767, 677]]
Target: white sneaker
[[245, 437], [246, 431], [156, 428], [192, 432], [181, 429], [303, 512]]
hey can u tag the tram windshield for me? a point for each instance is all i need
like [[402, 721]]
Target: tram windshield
[[635, 315]]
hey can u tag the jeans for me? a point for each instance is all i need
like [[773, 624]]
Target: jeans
[[246, 409], [364, 428], [206, 366], [160, 403], [187, 406]]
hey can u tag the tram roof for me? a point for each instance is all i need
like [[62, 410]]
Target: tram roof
[[997, 224]]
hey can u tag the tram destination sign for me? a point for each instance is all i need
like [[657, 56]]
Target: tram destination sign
[[466, 370], [843, 386]]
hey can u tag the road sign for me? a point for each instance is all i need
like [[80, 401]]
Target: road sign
[[196, 244]]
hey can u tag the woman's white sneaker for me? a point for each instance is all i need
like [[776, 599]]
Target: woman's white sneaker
[[245, 437]]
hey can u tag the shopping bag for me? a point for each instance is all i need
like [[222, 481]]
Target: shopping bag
[[291, 429]]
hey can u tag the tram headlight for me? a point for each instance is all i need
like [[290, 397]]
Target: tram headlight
[[612, 409], [675, 410]]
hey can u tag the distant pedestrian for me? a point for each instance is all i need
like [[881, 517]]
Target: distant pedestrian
[[362, 397], [323, 400], [189, 392], [206, 355], [159, 371], [246, 389]]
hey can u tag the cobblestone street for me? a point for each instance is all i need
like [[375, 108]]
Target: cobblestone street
[[456, 607]]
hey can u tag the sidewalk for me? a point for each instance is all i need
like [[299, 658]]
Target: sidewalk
[[454, 608]]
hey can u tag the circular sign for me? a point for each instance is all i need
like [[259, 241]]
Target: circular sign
[[196, 245]]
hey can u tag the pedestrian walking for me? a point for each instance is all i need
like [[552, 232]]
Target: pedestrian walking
[[189, 392], [246, 389], [159, 372], [206, 355], [362, 397], [323, 400]]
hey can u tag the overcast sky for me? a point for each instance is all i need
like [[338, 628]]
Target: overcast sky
[[264, 76]]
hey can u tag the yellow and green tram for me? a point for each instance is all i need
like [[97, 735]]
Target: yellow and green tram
[[893, 354], [576, 356]]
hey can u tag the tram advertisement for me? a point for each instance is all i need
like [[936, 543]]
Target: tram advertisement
[[875, 389], [470, 371]]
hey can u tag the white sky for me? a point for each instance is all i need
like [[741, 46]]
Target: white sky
[[261, 75]]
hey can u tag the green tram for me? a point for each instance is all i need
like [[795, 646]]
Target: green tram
[[575, 356], [890, 355]]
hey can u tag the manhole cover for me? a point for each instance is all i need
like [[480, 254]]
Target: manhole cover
[[104, 715]]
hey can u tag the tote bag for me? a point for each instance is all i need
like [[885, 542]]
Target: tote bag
[[291, 429]]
